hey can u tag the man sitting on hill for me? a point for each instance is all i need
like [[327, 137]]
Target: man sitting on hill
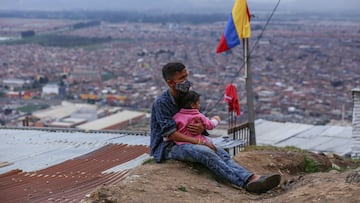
[[164, 135]]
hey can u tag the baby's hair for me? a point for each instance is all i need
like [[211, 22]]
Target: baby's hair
[[189, 98]]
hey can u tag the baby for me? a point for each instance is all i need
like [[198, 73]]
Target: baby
[[190, 105]]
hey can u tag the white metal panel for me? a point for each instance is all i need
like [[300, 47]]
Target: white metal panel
[[335, 139], [31, 150], [111, 120]]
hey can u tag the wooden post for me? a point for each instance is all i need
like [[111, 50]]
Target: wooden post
[[355, 149], [249, 92]]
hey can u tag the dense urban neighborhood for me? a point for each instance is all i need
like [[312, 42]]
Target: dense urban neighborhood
[[303, 70]]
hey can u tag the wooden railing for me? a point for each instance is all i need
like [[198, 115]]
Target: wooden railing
[[242, 132]]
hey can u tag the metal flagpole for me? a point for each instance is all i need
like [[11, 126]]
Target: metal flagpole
[[249, 92]]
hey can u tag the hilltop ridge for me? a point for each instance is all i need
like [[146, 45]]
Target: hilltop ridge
[[333, 178]]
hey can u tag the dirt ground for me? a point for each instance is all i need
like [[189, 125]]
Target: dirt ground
[[176, 181]]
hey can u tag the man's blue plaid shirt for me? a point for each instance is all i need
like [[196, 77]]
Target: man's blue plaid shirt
[[162, 124]]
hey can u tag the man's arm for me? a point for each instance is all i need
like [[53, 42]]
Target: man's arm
[[179, 137]]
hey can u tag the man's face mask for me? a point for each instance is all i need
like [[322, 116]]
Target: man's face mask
[[183, 87]]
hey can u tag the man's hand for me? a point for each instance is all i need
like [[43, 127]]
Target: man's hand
[[195, 127], [210, 145]]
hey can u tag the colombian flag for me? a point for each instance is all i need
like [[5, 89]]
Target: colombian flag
[[238, 26]]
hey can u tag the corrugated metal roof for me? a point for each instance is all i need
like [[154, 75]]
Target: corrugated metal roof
[[111, 120], [61, 111], [275, 132], [71, 180], [42, 148], [63, 165], [129, 165], [31, 150], [317, 138], [334, 139]]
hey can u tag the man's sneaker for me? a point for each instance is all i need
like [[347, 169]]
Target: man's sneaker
[[264, 183]]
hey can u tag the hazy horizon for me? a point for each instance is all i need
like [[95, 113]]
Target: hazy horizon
[[336, 6]]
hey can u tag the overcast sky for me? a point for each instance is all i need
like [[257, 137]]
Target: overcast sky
[[179, 5]]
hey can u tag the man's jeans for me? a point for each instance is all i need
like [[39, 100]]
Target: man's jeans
[[218, 162]]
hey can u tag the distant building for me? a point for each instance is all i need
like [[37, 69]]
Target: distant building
[[84, 73], [67, 123], [57, 113], [50, 89], [115, 121], [89, 114], [28, 33], [16, 84], [19, 94]]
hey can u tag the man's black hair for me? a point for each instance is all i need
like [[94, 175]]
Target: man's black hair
[[189, 98], [170, 69]]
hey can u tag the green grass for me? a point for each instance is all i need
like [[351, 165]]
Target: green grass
[[149, 161], [274, 148], [182, 188], [311, 165]]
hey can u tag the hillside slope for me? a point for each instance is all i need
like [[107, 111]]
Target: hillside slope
[[176, 181]]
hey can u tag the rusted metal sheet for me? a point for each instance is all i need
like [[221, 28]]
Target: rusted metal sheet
[[70, 180]]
